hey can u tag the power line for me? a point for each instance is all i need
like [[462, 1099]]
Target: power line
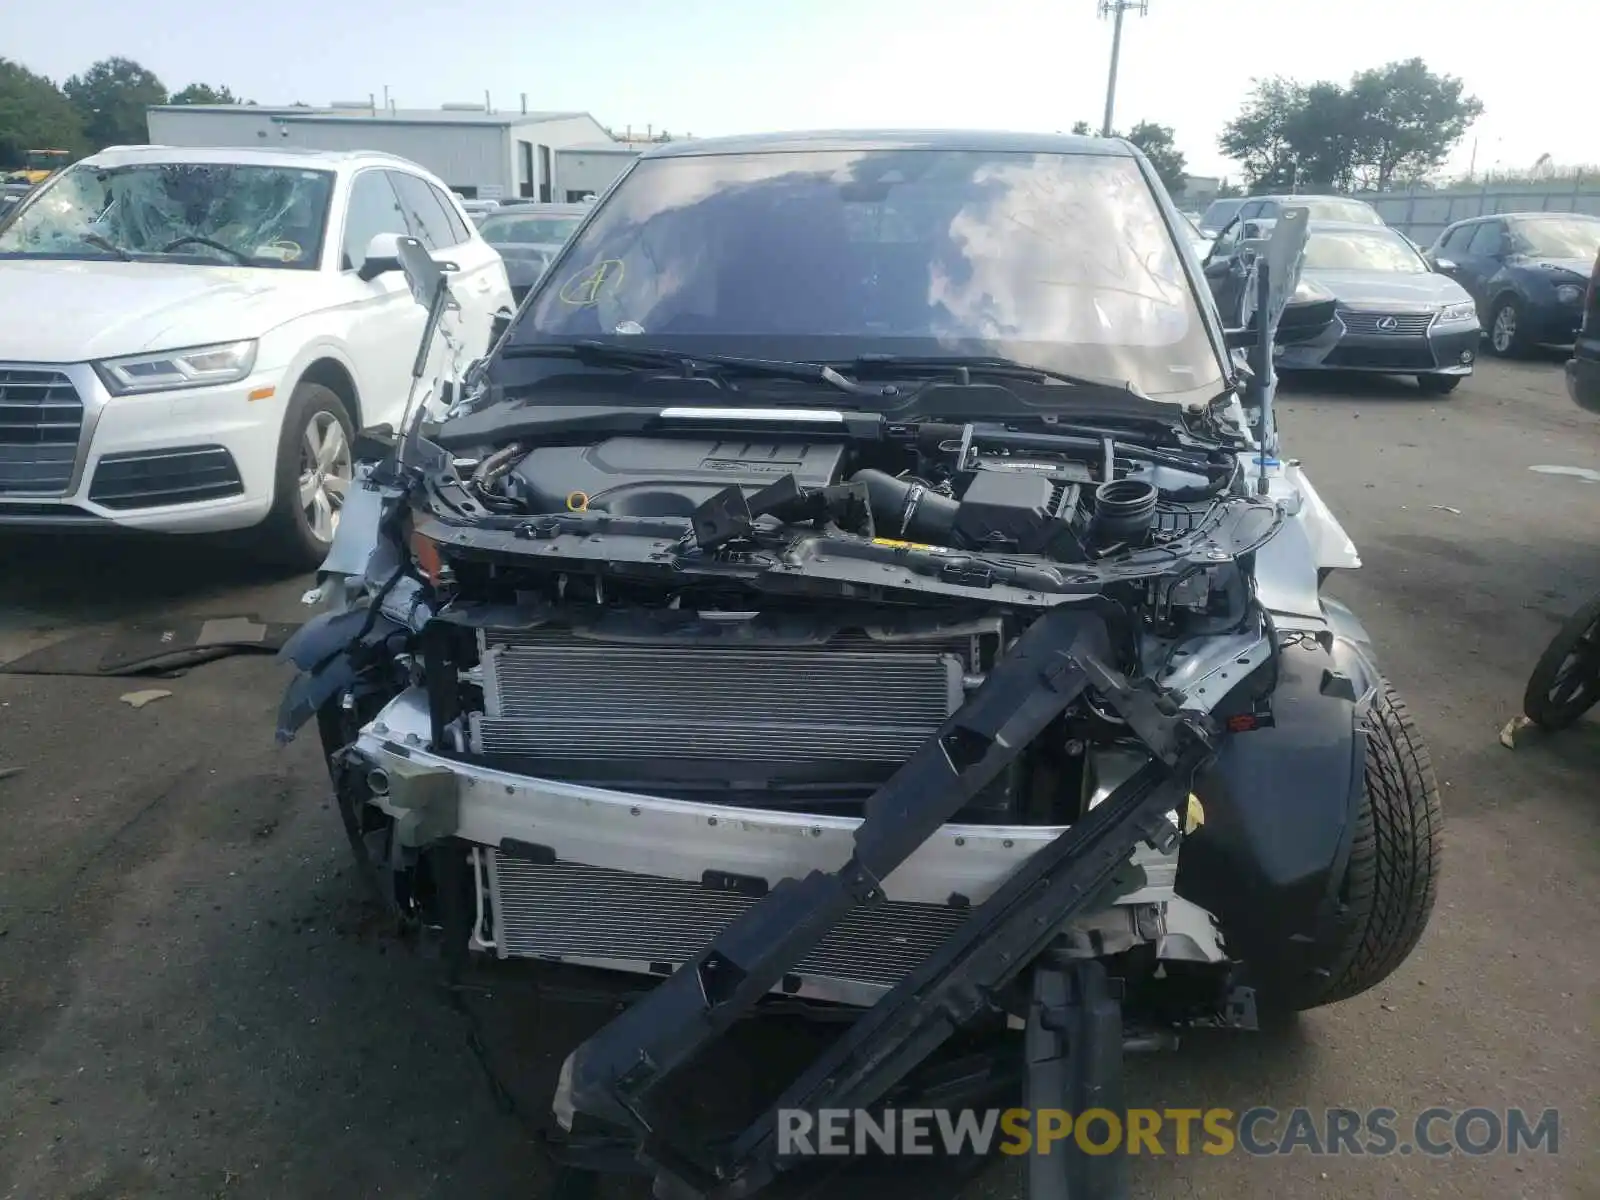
[[1115, 9]]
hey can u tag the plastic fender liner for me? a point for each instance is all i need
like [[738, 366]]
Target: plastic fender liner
[[331, 651], [1280, 807]]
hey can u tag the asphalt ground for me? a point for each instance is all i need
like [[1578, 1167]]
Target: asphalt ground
[[196, 999]]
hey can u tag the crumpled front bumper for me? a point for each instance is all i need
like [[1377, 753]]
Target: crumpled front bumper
[[544, 846]]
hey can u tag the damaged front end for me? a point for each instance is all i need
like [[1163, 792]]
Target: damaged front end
[[890, 712]]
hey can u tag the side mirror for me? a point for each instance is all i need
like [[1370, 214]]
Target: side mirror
[[1444, 264], [383, 256]]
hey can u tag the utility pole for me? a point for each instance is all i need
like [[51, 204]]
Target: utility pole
[[1115, 9]]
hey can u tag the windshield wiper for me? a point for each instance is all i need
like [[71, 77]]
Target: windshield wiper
[[100, 243], [243, 260], [692, 365], [959, 365]]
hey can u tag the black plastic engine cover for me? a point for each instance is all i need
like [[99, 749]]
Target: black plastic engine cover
[[665, 477], [1013, 510]]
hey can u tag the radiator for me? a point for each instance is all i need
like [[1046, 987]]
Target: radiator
[[566, 911], [549, 694]]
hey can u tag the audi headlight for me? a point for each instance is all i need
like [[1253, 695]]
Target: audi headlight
[[1569, 293], [197, 366], [1457, 313]]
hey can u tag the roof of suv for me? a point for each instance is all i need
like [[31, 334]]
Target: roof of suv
[[283, 156], [1302, 196], [894, 139]]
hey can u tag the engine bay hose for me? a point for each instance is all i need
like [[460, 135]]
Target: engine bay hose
[[1124, 511], [907, 508]]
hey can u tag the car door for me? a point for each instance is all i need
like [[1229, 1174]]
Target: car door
[[384, 320], [1480, 260], [476, 273], [1222, 277]]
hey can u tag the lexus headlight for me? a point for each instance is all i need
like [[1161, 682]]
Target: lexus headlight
[[1569, 293], [1308, 291], [1465, 311], [197, 366]]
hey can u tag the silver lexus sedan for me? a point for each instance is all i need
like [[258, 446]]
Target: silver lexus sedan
[[1396, 316]]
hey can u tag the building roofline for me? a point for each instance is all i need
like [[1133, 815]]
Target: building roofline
[[291, 115]]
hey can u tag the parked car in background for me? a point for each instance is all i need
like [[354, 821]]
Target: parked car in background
[[1197, 239], [191, 336], [1217, 216], [1583, 369], [1395, 315], [476, 209], [1319, 208], [11, 195], [528, 236], [1528, 273]]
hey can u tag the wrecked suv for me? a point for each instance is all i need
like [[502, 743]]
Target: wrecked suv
[[863, 579]]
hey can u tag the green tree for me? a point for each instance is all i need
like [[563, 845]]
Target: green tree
[[1160, 148], [1258, 138], [1389, 126], [34, 115], [111, 98], [204, 93], [1409, 120], [1228, 191], [1081, 129]]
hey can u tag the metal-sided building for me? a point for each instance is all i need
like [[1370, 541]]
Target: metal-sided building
[[478, 152]]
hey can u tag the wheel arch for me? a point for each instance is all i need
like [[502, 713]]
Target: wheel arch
[[332, 373], [1506, 291]]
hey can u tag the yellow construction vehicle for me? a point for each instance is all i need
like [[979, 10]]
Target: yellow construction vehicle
[[41, 165]]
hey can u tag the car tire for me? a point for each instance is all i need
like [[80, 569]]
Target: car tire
[[1565, 682], [1438, 385], [1392, 877], [1512, 341], [298, 532]]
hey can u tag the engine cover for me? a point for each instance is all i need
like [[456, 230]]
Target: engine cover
[[665, 477]]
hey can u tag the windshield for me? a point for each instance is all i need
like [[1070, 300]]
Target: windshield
[[249, 215], [1559, 237], [1220, 213], [1380, 249], [1063, 261], [512, 229], [1336, 210]]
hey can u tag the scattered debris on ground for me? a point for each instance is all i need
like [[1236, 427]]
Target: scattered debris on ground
[[140, 699], [1508, 734]]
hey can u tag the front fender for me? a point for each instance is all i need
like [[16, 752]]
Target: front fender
[[1280, 805], [1331, 546]]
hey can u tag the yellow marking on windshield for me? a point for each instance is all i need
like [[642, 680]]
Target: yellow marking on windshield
[[583, 290]]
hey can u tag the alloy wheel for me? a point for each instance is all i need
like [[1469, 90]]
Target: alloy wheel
[[325, 474], [1504, 334]]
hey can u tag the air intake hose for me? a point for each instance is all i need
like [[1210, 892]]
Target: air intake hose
[[1124, 510], [907, 508]]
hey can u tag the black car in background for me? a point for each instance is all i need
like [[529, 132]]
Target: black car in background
[[528, 236], [1218, 214], [1583, 369], [1528, 273]]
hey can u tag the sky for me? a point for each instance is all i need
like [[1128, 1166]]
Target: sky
[[708, 67]]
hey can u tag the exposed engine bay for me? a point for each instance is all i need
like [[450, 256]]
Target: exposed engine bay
[[647, 614]]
